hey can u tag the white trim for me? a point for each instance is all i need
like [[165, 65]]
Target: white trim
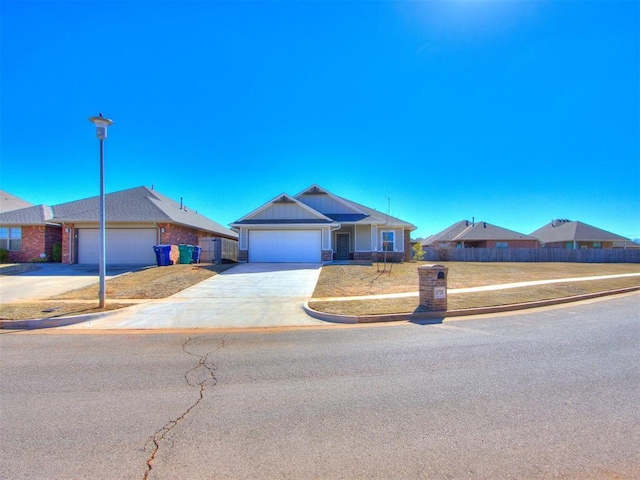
[[266, 205]]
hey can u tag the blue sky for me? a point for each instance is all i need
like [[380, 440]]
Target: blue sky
[[512, 112]]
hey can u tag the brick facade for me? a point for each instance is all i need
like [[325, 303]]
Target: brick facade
[[396, 257], [68, 255], [432, 286], [408, 253], [36, 240], [177, 235]]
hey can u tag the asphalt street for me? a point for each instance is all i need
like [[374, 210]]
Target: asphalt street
[[546, 394]]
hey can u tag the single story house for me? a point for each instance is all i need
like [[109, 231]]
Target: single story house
[[466, 234], [574, 235], [136, 219], [318, 226], [27, 231]]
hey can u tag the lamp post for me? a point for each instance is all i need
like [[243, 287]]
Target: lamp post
[[101, 124]]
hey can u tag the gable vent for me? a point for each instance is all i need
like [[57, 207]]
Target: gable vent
[[284, 199], [315, 191]]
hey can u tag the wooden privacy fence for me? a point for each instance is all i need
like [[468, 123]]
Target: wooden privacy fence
[[218, 250], [619, 255]]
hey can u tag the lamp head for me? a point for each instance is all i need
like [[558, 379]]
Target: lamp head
[[101, 124]]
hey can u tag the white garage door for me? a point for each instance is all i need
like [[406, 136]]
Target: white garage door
[[124, 246], [285, 246]]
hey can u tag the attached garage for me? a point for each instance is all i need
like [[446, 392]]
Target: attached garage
[[123, 246], [285, 246]]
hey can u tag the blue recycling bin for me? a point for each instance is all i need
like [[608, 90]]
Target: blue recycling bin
[[196, 254], [163, 255]]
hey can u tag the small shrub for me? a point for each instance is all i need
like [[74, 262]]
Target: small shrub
[[56, 252], [418, 252], [4, 255]]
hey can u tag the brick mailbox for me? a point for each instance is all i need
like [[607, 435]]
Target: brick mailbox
[[432, 280]]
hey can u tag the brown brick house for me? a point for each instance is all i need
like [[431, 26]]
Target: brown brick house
[[27, 231], [471, 234], [574, 235], [136, 220]]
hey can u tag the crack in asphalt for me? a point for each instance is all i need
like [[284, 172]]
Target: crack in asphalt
[[202, 375]]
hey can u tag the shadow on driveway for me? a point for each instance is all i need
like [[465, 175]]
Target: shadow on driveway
[[64, 270]]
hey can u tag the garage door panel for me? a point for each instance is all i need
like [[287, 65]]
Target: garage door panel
[[124, 246], [285, 246]]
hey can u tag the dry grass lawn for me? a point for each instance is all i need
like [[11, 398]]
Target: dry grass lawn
[[356, 280]]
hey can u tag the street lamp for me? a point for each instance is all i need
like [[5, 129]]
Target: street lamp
[[101, 124]]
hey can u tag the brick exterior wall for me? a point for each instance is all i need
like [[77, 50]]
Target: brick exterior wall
[[35, 241], [512, 244], [176, 235], [396, 257], [68, 255], [579, 245], [428, 282], [327, 255], [243, 255], [408, 252]]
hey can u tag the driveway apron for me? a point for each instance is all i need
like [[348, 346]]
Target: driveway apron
[[247, 295], [50, 279]]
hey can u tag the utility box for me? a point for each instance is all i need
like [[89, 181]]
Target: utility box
[[432, 280]]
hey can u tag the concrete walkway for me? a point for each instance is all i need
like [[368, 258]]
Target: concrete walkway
[[248, 295], [485, 288]]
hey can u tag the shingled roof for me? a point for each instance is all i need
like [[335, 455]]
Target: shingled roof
[[10, 202], [465, 230], [35, 215], [139, 204], [572, 231]]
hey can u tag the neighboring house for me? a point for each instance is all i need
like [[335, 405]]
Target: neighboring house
[[10, 202], [577, 235], [27, 231], [136, 220], [466, 234], [318, 226]]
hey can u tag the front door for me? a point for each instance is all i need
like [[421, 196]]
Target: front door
[[342, 239]]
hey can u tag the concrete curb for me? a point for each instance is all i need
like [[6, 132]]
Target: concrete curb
[[52, 322], [438, 317]]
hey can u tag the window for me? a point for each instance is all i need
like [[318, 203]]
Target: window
[[11, 238], [502, 244], [388, 244], [597, 244]]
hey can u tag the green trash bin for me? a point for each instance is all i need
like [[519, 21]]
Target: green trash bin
[[186, 253]]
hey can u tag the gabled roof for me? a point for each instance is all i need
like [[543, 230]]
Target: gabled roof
[[10, 202], [358, 213], [318, 190], [572, 231], [139, 204], [309, 214], [34, 215], [465, 230], [379, 218]]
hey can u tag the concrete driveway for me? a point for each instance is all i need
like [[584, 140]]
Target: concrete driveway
[[49, 279], [247, 295]]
